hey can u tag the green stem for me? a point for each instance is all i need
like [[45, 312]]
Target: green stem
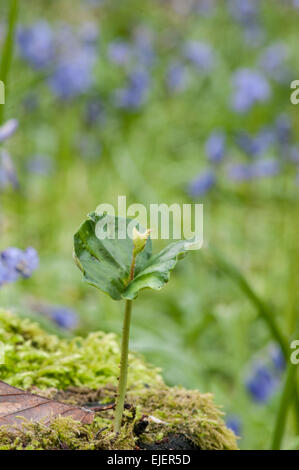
[[8, 48], [264, 312], [261, 307], [122, 384], [286, 397]]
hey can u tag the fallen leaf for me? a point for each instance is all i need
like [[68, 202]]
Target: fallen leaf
[[16, 403]]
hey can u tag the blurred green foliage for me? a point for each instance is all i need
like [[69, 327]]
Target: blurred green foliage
[[203, 331]]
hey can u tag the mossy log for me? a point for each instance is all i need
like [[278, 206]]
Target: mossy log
[[84, 371]]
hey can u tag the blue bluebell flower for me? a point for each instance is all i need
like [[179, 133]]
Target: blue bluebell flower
[[28, 263], [94, 111], [36, 44], [8, 174], [64, 317], [3, 274], [89, 33], [134, 95], [200, 54], [72, 77], [265, 167], [202, 184], [204, 7], [262, 383], [273, 62], [234, 423], [257, 145], [254, 35], [294, 153], [260, 168], [246, 143], [250, 87], [216, 146], [8, 129], [264, 140], [177, 77], [15, 263], [8, 262], [143, 46], [119, 52], [239, 172], [245, 12], [283, 128], [278, 359]]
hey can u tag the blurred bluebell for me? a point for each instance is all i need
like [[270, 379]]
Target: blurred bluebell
[[135, 93], [283, 128], [204, 7], [278, 358], [257, 145], [36, 44], [234, 423], [294, 153], [245, 12], [40, 164], [262, 383], [246, 143], [216, 146], [15, 263], [89, 33], [260, 168], [254, 35], [8, 174], [200, 54], [265, 139], [250, 87], [72, 77], [239, 172], [8, 129], [63, 316], [177, 77], [273, 62], [264, 167], [9, 260], [28, 262], [119, 52], [202, 183], [143, 46], [3, 271], [94, 111]]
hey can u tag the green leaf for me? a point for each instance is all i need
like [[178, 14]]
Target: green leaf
[[106, 262]]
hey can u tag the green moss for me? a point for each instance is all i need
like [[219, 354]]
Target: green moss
[[167, 411], [83, 370], [32, 357]]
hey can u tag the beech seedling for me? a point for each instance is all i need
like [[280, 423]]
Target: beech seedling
[[121, 267]]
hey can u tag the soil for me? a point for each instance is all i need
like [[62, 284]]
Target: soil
[[170, 442]]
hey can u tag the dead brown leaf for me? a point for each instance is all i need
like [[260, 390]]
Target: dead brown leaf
[[15, 403]]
